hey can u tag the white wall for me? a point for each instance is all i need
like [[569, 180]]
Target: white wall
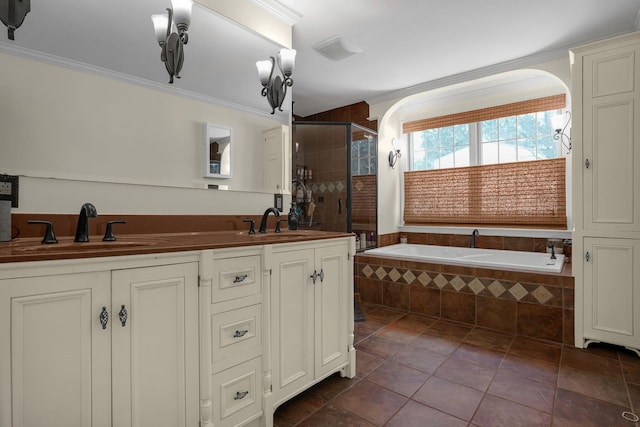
[[455, 94], [75, 136]]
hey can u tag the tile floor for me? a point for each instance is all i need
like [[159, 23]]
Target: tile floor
[[420, 371]]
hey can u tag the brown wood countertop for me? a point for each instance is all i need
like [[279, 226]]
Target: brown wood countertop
[[31, 249]]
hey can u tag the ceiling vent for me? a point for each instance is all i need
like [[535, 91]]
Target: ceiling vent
[[336, 49]]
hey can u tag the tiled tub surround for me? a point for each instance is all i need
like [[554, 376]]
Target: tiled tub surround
[[528, 304]]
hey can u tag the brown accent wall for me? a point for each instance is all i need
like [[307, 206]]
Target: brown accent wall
[[65, 224], [356, 113]]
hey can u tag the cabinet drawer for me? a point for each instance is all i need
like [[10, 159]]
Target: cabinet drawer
[[235, 277], [238, 393], [236, 331]]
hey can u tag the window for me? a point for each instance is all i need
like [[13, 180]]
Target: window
[[497, 166], [502, 140], [363, 156]]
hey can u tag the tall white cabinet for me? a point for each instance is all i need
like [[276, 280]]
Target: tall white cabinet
[[606, 183]]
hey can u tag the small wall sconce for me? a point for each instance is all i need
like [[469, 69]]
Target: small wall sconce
[[12, 13], [170, 41], [557, 121], [394, 155], [274, 88]]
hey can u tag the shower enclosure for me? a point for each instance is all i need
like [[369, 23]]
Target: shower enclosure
[[334, 178]]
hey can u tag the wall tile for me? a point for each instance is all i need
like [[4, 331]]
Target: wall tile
[[395, 295], [540, 321], [424, 300], [496, 314], [458, 306]]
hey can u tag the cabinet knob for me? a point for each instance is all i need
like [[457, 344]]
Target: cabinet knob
[[104, 318], [587, 256], [587, 164], [314, 276], [321, 275]]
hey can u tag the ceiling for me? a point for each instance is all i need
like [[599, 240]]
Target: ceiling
[[404, 43]]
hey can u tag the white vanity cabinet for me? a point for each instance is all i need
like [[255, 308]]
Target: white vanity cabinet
[[70, 356], [311, 321], [605, 180]]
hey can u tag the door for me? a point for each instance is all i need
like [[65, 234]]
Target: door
[[155, 346], [55, 356], [331, 309], [612, 291], [611, 97], [292, 315]]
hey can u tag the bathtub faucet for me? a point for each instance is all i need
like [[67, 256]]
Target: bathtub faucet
[[474, 235]]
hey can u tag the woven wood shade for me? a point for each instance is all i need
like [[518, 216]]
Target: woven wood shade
[[517, 194], [363, 199], [524, 107]]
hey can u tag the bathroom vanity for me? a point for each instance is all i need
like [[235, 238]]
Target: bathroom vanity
[[212, 329]]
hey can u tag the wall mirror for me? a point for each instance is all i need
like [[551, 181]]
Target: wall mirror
[[217, 151]]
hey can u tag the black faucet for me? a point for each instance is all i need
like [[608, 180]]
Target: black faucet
[[82, 231], [553, 250], [263, 222], [474, 235]]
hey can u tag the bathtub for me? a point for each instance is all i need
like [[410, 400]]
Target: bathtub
[[474, 257]]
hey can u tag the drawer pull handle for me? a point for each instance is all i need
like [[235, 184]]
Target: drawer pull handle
[[240, 395], [240, 334], [104, 318], [240, 278], [123, 315]]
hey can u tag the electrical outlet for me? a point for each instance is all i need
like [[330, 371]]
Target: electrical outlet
[[9, 185]]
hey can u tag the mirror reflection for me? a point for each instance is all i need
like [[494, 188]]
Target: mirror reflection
[[217, 152]]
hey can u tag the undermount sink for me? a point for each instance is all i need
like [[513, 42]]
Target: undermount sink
[[75, 246]]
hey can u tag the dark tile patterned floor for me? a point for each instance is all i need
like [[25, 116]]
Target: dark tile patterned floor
[[420, 371]]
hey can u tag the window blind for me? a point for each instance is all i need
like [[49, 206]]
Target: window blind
[[524, 107], [363, 199], [517, 194]]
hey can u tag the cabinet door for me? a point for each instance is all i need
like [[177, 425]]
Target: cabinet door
[[611, 97], [292, 316], [331, 308], [612, 291], [155, 349], [55, 365], [276, 166]]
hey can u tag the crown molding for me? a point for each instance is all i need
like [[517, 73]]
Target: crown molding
[[466, 76], [281, 11]]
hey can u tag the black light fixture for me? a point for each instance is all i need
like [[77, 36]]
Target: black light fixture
[[171, 33], [557, 121], [275, 87], [12, 13]]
